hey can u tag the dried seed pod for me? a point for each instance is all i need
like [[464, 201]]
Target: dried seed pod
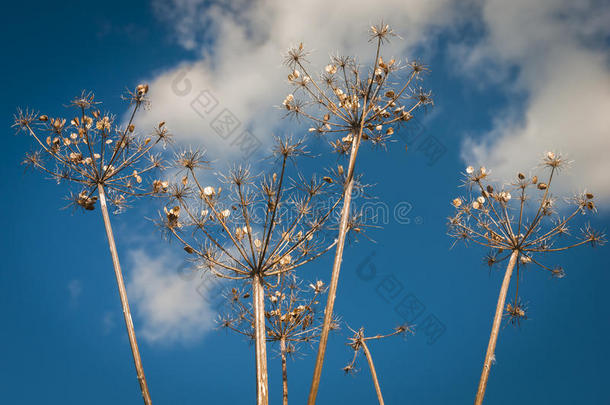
[[142, 89], [534, 179], [521, 176], [542, 186]]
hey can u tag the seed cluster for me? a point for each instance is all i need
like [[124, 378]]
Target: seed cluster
[[91, 150], [354, 102], [500, 218]]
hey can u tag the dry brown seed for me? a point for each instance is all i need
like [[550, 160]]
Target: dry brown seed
[[142, 89], [542, 186]]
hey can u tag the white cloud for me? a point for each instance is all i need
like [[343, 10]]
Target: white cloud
[[561, 91], [241, 44], [171, 301], [558, 100]]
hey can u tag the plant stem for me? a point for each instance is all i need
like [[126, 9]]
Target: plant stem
[[124, 302], [284, 372], [369, 358], [330, 301], [260, 338], [493, 339]]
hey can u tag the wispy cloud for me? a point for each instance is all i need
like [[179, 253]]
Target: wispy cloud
[[241, 44], [168, 303], [560, 97]]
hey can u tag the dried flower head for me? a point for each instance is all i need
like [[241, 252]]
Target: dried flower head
[[497, 221], [91, 150], [352, 102], [516, 232]]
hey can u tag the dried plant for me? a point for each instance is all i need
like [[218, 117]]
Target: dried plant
[[257, 228], [352, 103], [292, 317], [358, 341], [92, 153], [494, 219]]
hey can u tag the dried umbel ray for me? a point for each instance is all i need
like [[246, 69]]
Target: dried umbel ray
[[254, 228], [292, 316], [93, 154], [351, 104], [498, 218], [358, 341]]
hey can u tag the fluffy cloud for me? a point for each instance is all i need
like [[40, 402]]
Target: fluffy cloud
[[558, 100], [171, 301], [241, 44], [560, 97]]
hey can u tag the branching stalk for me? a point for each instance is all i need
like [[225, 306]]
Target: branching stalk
[[369, 359]]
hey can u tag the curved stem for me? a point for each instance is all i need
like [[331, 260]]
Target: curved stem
[[124, 302], [369, 358], [493, 339]]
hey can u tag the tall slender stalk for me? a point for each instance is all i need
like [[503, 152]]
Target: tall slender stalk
[[260, 335], [334, 281], [355, 104], [284, 372], [369, 358], [493, 339], [490, 217], [124, 302]]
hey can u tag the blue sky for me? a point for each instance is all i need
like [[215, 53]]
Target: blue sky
[[509, 82]]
